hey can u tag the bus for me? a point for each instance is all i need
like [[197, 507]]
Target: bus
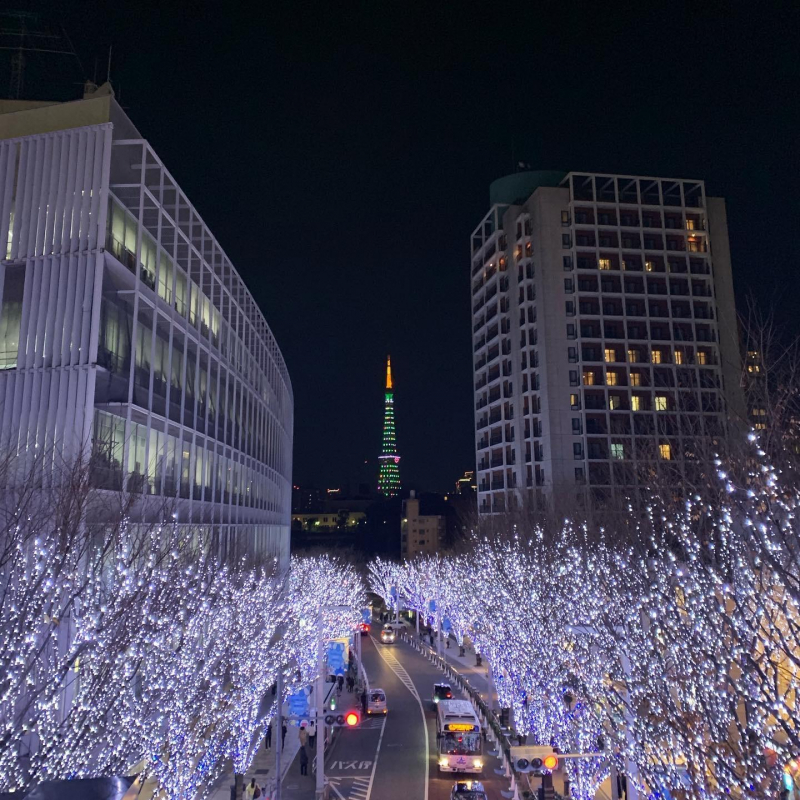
[[458, 737]]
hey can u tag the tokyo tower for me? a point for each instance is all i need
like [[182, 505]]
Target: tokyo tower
[[389, 473]]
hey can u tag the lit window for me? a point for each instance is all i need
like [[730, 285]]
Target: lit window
[[649, 266], [678, 357], [623, 265], [611, 378], [636, 403], [661, 402], [617, 451], [575, 401], [665, 451], [636, 379], [588, 378], [610, 354], [604, 263], [753, 369], [752, 354], [691, 225], [633, 355], [701, 358], [613, 402], [655, 356], [760, 426]]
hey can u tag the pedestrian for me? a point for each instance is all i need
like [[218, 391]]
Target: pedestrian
[[312, 739], [448, 642], [303, 761], [364, 702], [340, 682], [250, 791], [283, 735], [350, 683], [268, 737], [303, 736]]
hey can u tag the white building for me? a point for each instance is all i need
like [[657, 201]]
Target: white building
[[604, 336], [125, 331]]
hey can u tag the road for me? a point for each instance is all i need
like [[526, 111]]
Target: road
[[394, 757]]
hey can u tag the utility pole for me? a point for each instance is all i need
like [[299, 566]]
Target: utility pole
[[278, 733], [319, 726]]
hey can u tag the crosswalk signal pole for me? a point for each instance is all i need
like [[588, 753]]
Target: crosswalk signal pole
[[320, 723]]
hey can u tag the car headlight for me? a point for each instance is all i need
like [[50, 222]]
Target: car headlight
[[477, 763], [442, 762]]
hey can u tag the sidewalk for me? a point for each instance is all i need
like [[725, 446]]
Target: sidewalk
[[263, 770]]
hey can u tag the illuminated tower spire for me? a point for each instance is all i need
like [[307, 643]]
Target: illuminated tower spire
[[389, 473]]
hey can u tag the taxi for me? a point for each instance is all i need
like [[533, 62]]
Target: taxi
[[468, 790], [376, 702], [388, 636]]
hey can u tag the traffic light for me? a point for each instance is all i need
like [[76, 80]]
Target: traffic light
[[535, 759], [333, 703], [349, 720]]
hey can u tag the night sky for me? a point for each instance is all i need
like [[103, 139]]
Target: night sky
[[342, 154]]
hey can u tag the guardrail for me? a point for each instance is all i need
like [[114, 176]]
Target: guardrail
[[490, 725]]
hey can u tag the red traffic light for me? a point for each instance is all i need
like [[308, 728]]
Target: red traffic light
[[351, 718], [550, 762]]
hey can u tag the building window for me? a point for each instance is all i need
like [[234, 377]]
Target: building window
[[665, 451], [636, 403], [572, 355], [610, 354], [565, 218], [633, 355], [636, 379], [661, 402], [567, 263], [614, 402], [573, 377], [569, 307], [577, 450], [611, 378], [571, 331], [588, 378], [623, 265], [569, 286], [702, 358], [617, 451], [575, 402], [649, 266], [678, 357], [576, 426], [566, 240], [604, 263], [655, 356], [579, 475]]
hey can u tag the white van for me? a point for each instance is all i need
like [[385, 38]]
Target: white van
[[376, 701]]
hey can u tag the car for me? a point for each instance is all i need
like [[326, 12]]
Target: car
[[441, 691], [363, 628], [395, 626], [376, 701], [468, 790], [388, 636]]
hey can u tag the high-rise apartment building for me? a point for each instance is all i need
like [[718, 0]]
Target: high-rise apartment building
[[605, 341], [126, 334]]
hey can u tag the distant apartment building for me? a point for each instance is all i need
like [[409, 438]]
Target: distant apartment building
[[322, 522], [420, 534], [604, 335], [127, 336]]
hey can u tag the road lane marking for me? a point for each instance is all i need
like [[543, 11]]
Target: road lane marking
[[375, 763], [399, 670]]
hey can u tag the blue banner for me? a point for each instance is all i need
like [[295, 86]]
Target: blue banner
[[432, 606], [298, 703], [446, 625], [337, 658], [366, 614], [393, 593]]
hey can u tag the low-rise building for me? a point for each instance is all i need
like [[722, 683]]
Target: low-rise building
[[420, 534]]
